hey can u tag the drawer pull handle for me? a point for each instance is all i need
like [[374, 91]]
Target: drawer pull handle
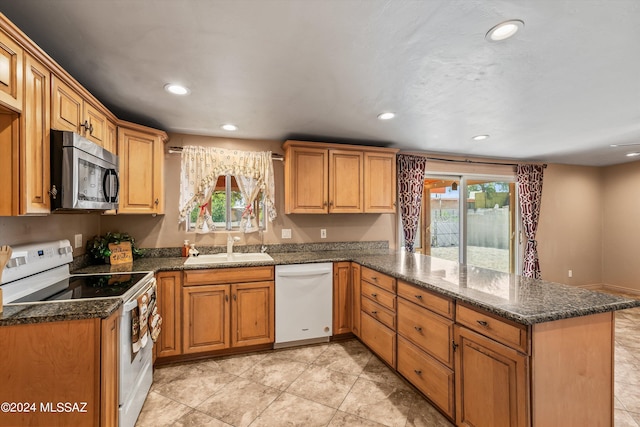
[[374, 295], [417, 328], [419, 297], [483, 323], [375, 313], [417, 371], [374, 277]]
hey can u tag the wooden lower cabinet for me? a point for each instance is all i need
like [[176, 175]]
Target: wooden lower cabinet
[[72, 361], [169, 300], [218, 314], [206, 321], [252, 314], [379, 338], [491, 382], [355, 298], [342, 297], [428, 375]]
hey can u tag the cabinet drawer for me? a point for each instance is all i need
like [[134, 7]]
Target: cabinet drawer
[[382, 297], [441, 305], [212, 276], [430, 377], [378, 312], [380, 339], [429, 331], [501, 330], [379, 279]]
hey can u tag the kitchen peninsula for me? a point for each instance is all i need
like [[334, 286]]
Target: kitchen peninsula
[[500, 349]]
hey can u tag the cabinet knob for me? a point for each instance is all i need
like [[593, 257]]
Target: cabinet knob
[[226, 298], [374, 313], [157, 201], [483, 323], [417, 371], [324, 204], [417, 328], [85, 125], [374, 295], [419, 297]]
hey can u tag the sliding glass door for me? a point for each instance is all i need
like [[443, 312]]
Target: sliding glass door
[[470, 219]]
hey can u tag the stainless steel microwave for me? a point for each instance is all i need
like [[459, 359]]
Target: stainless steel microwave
[[84, 175]]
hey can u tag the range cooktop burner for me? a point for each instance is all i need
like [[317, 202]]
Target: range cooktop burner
[[86, 286]]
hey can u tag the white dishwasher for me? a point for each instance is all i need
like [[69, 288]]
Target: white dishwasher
[[304, 304]]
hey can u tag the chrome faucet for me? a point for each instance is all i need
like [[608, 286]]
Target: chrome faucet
[[230, 241]]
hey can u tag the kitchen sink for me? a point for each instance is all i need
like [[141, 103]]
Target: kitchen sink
[[224, 258]]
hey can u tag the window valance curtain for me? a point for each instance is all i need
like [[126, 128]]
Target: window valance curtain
[[199, 172]]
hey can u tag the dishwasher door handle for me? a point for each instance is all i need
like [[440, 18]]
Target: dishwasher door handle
[[302, 273]]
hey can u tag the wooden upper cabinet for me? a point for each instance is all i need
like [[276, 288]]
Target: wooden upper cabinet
[[10, 72], [66, 107], [70, 111], [111, 143], [306, 180], [335, 178], [35, 174], [379, 182], [345, 181], [141, 156]]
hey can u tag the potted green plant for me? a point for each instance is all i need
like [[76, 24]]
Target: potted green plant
[[98, 247]]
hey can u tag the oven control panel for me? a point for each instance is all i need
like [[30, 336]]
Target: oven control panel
[[34, 258]]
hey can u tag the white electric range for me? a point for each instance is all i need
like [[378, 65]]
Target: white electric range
[[38, 273]]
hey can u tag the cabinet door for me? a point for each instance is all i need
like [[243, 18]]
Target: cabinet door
[[141, 165], [345, 181], [491, 382], [35, 142], [110, 359], [9, 161], [379, 183], [66, 108], [429, 376], [169, 302], [111, 143], [253, 314], [355, 298], [380, 339], [205, 318], [342, 295], [97, 122], [10, 73], [306, 180]]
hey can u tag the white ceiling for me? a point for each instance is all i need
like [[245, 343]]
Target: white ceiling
[[562, 90]]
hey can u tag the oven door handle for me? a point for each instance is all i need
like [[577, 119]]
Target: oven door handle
[[133, 302]]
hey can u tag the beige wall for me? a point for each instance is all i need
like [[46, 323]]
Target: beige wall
[[20, 230], [570, 228], [621, 226], [164, 230]]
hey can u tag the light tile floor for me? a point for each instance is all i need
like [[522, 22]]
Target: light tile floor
[[336, 384]]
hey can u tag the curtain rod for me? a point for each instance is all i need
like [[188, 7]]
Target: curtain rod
[[178, 150], [544, 165]]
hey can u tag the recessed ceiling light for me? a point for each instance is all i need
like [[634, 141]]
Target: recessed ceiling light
[[504, 30], [480, 137], [386, 116], [176, 89], [633, 154], [229, 127]]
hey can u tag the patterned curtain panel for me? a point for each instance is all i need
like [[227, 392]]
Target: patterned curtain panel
[[530, 195], [410, 181], [201, 167]]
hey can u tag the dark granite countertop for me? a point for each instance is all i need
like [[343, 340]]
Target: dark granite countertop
[[525, 301]]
